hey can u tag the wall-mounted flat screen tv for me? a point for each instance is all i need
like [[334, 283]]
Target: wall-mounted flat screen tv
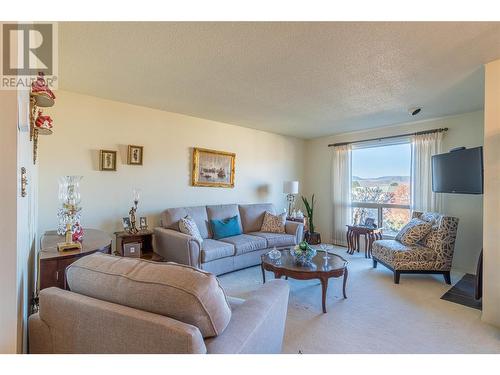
[[458, 171]]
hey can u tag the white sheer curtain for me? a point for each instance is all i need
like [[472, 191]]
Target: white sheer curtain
[[423, 147], [341, 188]]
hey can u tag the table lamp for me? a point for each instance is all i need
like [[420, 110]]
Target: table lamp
[[290, 188]]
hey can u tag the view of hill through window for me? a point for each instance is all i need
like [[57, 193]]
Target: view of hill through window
[[380, 179]]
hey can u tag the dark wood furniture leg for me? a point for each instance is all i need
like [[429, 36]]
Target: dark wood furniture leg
[[345, 282], [397, 275], [348, 237], [374, 263], [263, 273], [447, 277], [324, 288], [366, 246]]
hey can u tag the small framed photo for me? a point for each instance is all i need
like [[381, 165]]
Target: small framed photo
[[126, 223], [135, 155], [369, 222], [143, 222], [107, 160]]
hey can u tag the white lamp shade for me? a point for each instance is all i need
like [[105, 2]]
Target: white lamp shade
[[291, 187]]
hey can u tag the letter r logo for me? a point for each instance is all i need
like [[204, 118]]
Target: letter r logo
[[27, 49]]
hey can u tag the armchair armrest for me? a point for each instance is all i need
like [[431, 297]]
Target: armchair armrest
[[257, 326], [295, 228], [177, 247]]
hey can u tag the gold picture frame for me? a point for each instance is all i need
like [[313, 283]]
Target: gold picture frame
[[135, 155], [212, 168], [107, 160]]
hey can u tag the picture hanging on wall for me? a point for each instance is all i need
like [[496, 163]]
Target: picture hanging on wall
[[135, 155], [213, 168], [107, 160]]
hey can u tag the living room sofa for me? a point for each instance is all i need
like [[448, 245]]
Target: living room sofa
[[227, 254], [134, 306]]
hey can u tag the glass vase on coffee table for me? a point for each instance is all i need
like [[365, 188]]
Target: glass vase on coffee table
[[325, 247]]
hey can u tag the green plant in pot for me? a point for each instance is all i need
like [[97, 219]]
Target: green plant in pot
[[311, 236]]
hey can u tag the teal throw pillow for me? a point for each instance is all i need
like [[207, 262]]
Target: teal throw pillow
[[225, 227]]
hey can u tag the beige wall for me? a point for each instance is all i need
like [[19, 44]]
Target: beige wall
[[465, 130], [8, 224], [491, 296], [85, 124]]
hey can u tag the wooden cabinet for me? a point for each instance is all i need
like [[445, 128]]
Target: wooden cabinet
[[53, 263]]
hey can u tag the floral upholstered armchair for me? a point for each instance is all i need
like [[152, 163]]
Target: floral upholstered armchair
[[427, 250]]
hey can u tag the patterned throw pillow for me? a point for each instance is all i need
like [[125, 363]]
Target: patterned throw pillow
[[189, 227], [273, 223], [413, 232]]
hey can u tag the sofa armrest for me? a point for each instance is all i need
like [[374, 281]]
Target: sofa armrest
[[295, 228], [177, 247], [104, 327], [257, 326]]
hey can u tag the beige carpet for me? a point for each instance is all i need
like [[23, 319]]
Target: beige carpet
[[378, 316]]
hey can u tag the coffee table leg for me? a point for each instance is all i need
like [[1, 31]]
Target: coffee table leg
[[263, 273], [324, 287], [345, 282]]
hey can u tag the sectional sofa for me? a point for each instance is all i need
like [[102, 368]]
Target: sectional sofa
[[227, 254]]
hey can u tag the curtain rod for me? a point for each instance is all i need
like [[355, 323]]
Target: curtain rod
[[390, 137]]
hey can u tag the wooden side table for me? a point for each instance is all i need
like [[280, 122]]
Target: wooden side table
[[144, 237], [53, 263], [354, 232]]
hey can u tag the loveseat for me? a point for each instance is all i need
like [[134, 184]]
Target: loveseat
[[227, 254], [433, 254], [125, 305]]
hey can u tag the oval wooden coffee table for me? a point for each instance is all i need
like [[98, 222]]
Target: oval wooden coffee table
[[320, 268]]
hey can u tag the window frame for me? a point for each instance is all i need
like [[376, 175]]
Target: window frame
[[380, 206]]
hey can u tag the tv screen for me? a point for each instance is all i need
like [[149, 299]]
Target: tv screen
[[459, 171]]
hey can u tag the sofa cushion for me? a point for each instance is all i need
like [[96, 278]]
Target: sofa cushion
[[223, 211], [212, 250], [276, 239], [177, 291], [170, 218], [252, 215], [245, 243], [188, 226], [222, 228], [414, 231], [273, 223]]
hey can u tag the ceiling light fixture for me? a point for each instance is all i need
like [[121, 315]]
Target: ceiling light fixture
[[414, 111]]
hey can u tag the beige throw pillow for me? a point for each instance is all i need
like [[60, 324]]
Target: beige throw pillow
[[273, 223], [413, 232], [189, 227]]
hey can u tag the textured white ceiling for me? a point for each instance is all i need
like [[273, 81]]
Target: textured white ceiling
[[300, 79]]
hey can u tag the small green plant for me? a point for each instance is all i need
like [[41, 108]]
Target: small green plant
[[310, 211]]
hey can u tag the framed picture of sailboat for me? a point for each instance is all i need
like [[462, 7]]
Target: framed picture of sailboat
[[213, 168]]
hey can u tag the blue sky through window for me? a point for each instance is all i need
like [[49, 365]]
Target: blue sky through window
[[392, 160]]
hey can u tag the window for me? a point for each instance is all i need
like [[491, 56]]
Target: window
[[381, 185]]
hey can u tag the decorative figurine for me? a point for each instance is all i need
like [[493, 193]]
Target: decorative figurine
[[133, 228], [43, 123], [40, 86]]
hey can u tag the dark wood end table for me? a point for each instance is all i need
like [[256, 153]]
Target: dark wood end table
[[53, 263], [354, 232], [144, 237], [320, 268]]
